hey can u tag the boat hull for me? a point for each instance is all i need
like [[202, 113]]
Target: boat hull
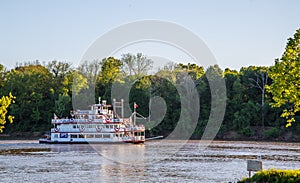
[[42, 141]]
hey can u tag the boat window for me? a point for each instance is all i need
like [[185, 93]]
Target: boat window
[[74, 136], [142, 133], [98, 136], [106, 126], [74, 126], [137, 134], [90, 136], [55, 136], [81, 136], [106, 136]]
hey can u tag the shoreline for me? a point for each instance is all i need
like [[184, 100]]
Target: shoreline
[[190, 140]]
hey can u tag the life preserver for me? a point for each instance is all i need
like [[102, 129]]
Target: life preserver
[[107, 120], [117, 129], [56, 129]]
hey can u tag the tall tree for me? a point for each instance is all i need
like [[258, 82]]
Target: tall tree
[[84, 84], [286, 80], [260, 82], [110, 70], [136, 65]]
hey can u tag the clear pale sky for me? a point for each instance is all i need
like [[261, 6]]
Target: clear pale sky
[[238, 32]]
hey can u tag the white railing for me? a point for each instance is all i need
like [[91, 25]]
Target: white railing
[[59, 121]]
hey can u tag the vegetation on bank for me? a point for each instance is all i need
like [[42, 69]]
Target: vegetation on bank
[[259, 100], [274, 176], [5, 102]]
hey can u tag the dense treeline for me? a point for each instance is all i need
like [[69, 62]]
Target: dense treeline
[[44, 89], [41, 91]]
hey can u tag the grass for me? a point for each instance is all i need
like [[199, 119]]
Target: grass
[[274, 176]]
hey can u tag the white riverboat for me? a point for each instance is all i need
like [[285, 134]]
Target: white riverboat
[[100, 124]]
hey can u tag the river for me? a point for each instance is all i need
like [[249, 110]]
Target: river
[[221, 161]]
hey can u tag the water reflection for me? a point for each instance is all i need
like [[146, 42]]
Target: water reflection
[[112, 162]]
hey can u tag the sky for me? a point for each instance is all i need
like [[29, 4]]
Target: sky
[[239, 33]]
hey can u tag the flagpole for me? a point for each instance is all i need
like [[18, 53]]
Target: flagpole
[[134, 113]]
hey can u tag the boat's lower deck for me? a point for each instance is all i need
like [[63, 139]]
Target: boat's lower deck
[[43, 141], [82, 138]]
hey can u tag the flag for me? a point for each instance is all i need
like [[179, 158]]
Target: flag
[[54, 116], [135, 105]]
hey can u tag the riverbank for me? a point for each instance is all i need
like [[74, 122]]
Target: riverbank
[[229, 136], [21, 136]]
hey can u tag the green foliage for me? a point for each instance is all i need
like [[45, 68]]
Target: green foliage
[[274, 176], [5, 102], [286, 77], [271, 133], [31, 85], [110, 71], [244, 117]]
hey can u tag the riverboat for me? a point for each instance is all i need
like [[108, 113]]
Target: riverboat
[[99, 124]]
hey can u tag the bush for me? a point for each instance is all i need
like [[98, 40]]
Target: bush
[[246, 132], [272, 133], [274, 176]]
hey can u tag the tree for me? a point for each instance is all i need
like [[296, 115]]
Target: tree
[[5, 102], [136, 65], [32, 86], [2, 76], [234, 97], [84, 82], [90, 70], [58, 68], [110, 70], [286, 80], [260, 82]]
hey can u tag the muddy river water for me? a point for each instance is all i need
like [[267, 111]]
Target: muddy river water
[[167, 161]]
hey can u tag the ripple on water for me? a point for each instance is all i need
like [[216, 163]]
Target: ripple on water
[[220, 162]]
